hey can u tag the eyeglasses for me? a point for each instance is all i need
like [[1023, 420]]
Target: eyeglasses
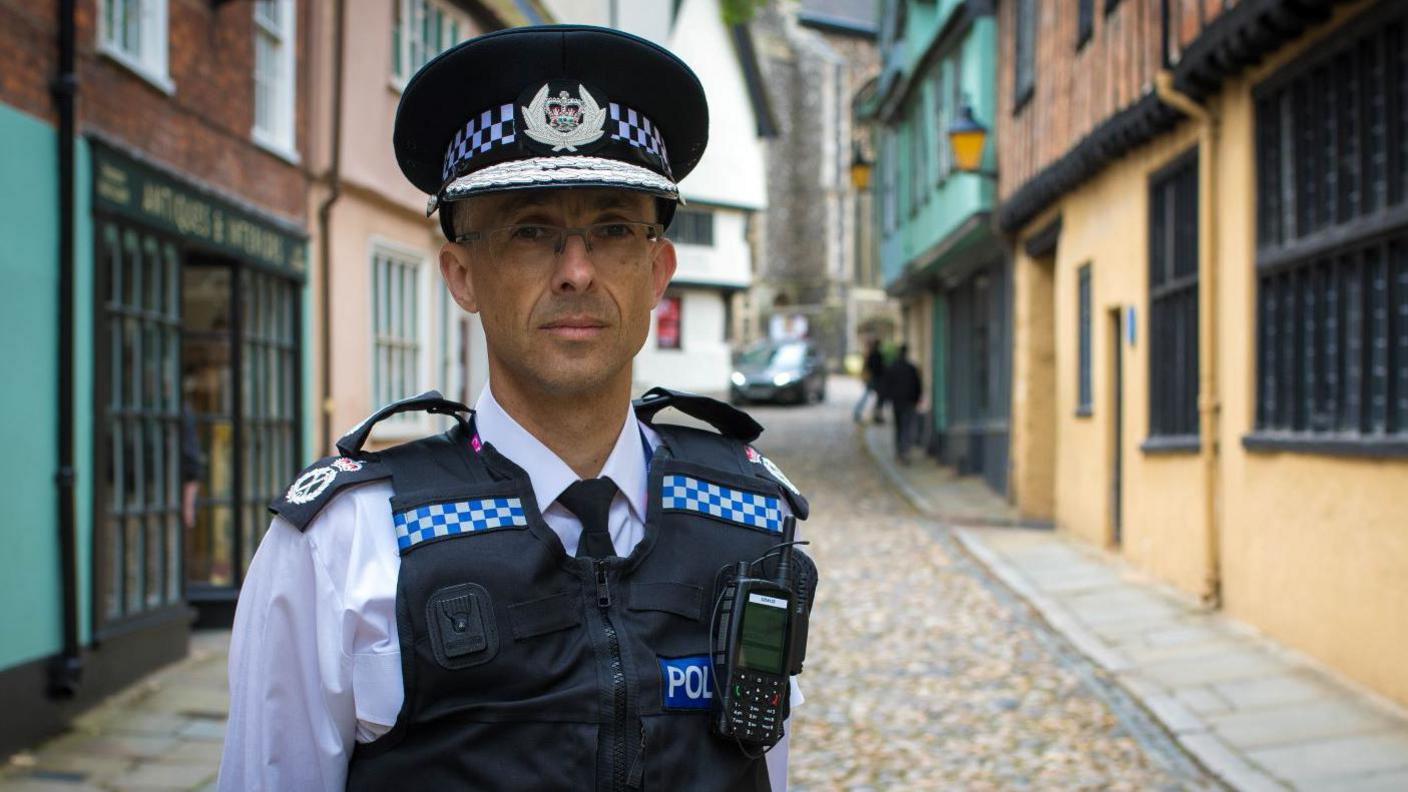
[[618, 239]]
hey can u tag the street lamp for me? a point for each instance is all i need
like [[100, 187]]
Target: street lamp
[[967, 138], [860, 170]]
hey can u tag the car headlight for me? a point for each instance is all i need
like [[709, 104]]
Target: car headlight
[[782, 379], [738, 379]]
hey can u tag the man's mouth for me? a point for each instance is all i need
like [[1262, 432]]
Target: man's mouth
[[575, 328]]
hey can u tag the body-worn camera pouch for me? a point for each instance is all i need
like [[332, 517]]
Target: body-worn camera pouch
[[461, 623]]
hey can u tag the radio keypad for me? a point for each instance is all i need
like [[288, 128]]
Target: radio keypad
[[755, 705]]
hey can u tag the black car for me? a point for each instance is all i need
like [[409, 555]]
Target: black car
[[787, 371]]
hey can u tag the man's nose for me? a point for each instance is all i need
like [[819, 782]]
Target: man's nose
[[574, 271]]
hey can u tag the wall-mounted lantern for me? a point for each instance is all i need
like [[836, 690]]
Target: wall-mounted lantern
[[967, 139], [860, 169]]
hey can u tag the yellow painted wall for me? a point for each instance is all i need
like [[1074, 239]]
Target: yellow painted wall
[[1314, 548], [1033, 456], [1104, 224]]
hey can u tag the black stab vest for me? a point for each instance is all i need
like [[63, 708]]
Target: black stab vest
[[527, 669]]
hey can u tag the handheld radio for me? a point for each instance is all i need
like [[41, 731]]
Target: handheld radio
[[757, 646]]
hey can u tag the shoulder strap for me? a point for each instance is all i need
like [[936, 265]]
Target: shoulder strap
[[350, 445], [726, 418], [320, 482]]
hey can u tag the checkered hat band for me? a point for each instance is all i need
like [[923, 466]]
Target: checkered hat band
[[634, 128], [451, 519], [482, 133], [688, 494]]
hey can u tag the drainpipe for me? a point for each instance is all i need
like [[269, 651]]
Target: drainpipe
[[67, 668], [334, 179], [1209, 398]]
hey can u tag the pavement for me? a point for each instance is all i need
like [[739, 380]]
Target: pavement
[[946, 653], [163, 733], [1255, 714]]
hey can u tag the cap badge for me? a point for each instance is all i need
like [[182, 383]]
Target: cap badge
[[564, 121]]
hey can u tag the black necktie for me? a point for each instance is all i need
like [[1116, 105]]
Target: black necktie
[[590, 500]]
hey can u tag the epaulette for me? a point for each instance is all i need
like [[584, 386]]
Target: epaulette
[[731, 449], [320, 482]]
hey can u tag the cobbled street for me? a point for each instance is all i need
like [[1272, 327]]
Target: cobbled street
[[922, 672]]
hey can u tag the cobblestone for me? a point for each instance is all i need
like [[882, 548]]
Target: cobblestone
[[921, 673]]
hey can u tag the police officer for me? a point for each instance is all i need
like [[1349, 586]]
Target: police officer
[[524, 601]]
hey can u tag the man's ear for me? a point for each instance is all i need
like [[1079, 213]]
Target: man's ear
[[455, 269], [662, 268]]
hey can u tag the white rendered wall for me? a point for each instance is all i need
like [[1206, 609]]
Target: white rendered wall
[[728, 262], [732, 170], [703, 362], [645, 18]]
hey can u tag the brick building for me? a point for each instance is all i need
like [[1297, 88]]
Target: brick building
[[154, 211], [1209, 203]]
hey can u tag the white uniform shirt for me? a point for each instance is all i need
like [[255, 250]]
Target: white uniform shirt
[[315, 662]]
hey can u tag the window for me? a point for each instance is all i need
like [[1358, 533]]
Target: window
[[943, 161], [420, 30], [919, 160], [692, 227], [1084, 400], [889, 172], [667, 323], [1085, 22], [398, 339], [274, 75], [1173, 301], [133, 33], [454, 348], [1024, 44], [1332, 242]]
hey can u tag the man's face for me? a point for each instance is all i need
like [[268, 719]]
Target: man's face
[[558, 323]]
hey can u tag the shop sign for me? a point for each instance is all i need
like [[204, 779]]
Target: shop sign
[[140, 191]]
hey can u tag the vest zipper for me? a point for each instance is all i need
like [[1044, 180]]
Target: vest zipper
[[617, 728]]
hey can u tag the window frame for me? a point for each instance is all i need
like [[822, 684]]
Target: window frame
[[1026, 13], [1085, 386], [280, 137], [1173, 394], [692, 221], [412, 424], [1331, 272], [152, 61], [404, 64]]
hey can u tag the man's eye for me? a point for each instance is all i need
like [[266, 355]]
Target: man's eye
[[614, 230], [531, 233]]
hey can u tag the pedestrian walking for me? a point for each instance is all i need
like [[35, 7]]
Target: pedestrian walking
[[524, 601], [904, 389], [872, 374]]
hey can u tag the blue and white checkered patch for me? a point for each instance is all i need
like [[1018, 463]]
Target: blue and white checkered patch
[[634, 128], [450, 519], [685, 493], [481, 133]]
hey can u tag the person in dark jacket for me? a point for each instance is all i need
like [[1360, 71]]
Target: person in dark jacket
[[873, 373], [903, 389]]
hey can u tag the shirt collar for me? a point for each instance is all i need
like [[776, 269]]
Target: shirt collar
[[626, 465]]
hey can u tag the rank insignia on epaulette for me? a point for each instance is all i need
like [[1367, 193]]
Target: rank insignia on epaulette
[[311, 484]]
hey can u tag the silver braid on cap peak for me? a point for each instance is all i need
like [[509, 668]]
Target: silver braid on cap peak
[[560, 172]]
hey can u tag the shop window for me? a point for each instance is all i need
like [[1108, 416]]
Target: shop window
[[668, 322], [1085, 22], [1332, 243], [420, 30], [274, 76], [399, 308], [133, 33], [1024, 45], [692, 227], [1084, 390], [1173, 301], [147, 446]]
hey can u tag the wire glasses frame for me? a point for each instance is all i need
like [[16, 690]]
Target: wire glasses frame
[[612, 235]]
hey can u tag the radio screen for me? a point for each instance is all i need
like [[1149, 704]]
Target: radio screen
[[764, 634]]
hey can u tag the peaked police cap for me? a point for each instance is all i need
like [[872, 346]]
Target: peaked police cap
[[551, 106]]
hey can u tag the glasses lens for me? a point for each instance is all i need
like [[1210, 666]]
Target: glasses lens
[[621, 239], [525, 241]]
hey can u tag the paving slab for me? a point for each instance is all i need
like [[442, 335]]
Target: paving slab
[[1257, 714]]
